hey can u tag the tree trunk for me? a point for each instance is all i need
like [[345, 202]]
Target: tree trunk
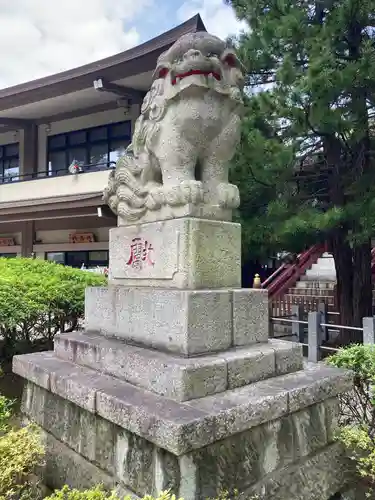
[[362, 283], [342, 254]]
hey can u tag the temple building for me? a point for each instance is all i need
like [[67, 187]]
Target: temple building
[[59, 136]]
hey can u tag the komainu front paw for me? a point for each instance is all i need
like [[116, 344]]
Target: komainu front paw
[[228, 195], [185, 193]]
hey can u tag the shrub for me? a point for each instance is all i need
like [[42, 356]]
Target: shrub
[[6, 406], [357, 417], [358, 407], [20, 454], [99, 493], [39, 299]]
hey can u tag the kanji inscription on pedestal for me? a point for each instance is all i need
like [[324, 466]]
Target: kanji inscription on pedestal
[[140, 254]]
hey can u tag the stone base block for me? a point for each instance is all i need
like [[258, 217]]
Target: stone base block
[[180, 427], [281, 455], [179, 378], [186, 322], [185, 253]]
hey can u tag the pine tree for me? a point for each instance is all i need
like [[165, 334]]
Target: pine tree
[[311, 102]]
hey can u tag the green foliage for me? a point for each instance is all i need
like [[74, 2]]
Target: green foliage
[[98, 493], [6, 407], [358, 407], [361, 448], [357, 433], [39, 299], [20, 454], [310, 96]]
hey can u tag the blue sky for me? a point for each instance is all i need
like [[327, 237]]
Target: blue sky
[[55, 36], [219, 19]]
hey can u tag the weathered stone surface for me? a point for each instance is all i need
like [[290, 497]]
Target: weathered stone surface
[[178, 378], [182, 321], [254, 363], [172, 376], [170, 425], [181, 427], [270, 399], [289, 356], [359, 492], [39, 374], [134, 461], [314, 384], [65, 466], [87, 434], [250, 316], [184, 253], [249, 459], [317, 477], [245, 458]]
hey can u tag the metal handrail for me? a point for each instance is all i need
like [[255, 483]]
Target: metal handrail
[[343, 327], [285, 320], [91, 167]]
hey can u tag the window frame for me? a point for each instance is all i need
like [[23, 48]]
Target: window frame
[[88, 144], [4, 158], [85, 256]]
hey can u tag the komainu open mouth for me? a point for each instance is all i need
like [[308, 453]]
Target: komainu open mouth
[[191, 72], [180, 76]]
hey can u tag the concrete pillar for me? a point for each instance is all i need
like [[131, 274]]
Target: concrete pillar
[[29, 160], [27, 241]]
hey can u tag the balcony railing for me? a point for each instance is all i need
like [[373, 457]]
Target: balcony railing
[[11, 179]]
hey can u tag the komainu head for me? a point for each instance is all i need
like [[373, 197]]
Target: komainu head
[[199, 59]]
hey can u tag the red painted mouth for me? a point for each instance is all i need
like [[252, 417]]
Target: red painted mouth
[[181, 76]]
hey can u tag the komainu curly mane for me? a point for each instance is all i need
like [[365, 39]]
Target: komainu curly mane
[[190, 116]]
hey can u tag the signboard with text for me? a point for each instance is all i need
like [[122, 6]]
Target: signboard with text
[[81, 238], [7, 242]]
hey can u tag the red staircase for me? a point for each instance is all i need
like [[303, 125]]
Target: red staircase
[[287, 275], [284, 292]]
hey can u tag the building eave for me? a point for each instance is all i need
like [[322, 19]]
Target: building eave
[[135, 60]]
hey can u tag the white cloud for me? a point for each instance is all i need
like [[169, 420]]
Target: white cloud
[[42, 37], [218, 18]]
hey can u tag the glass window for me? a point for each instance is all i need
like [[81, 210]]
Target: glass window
[[11, 150], [88, 147], [98, 134], [58, 257], [9, 163], [117, 149], [99, 155], [57, 163], [8, 255], [97, 258], [77, 155], [77, 137], [76, 259], [120, 129], [56, 141], [98, 255]]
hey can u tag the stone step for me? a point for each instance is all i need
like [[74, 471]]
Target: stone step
[[318, 292], [176, 377], [303, 283], [323, 275], [180, 427]]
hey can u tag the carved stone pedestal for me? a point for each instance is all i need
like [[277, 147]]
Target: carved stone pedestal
[[175, 384]]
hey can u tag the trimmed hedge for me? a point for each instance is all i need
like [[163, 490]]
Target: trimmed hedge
[[39, 299]]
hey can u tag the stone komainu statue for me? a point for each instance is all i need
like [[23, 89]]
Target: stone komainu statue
[[184, 138]]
